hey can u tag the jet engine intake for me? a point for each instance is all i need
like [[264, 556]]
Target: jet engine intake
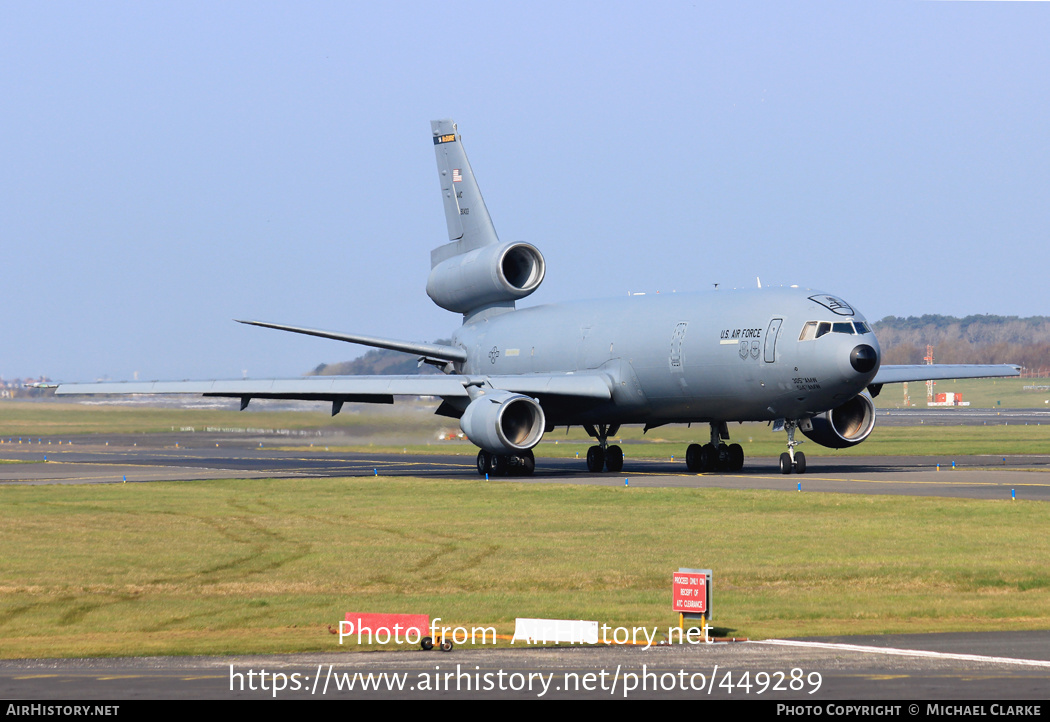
[[485, 276], [502, 422], [845, 425]]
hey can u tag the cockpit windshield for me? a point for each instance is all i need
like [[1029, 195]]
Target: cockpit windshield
[[816, 329]]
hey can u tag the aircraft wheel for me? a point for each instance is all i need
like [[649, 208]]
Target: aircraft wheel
[[736, 457], [614, 459], [595, 459], [426, 643], [692, 458], [484, 462], [500, 465], [722, 458], [528, 463], [785, 463], [708, 457], [800, 463]]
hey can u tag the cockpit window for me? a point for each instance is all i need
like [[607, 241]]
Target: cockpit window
[[816, 329]]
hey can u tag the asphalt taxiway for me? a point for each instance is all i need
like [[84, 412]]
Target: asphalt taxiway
[[1004, 667], [186, 457]]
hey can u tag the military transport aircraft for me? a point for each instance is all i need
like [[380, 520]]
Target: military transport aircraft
[[803, 359]]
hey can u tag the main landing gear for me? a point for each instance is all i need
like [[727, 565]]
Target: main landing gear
[[792, 460], [521, 464], [715, 456], [603, 456]]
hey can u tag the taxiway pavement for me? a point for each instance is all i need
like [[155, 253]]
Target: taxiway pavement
[[182, 457]]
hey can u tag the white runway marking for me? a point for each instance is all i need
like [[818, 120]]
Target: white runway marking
[[905, 652]]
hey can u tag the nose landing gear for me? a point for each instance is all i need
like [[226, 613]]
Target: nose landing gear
[[792, 460]]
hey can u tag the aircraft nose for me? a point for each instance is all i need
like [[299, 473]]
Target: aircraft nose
[[863, 358]]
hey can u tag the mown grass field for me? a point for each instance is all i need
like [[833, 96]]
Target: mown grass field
[[265, 566], [1006, 393], [53, 419]]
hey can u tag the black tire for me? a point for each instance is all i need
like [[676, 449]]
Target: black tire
[[528, 463], [722, 457], [426, 643], [500, 465], [484, 462], [692, 458], [800, 463], [708, 457], [614, 459], [736, 457], [785, 463], [595, 459], [446, 646]]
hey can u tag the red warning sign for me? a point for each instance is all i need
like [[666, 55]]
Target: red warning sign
[[690, 593]]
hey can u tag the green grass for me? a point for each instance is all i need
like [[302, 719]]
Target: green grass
[[224, 567], [43, 419], [981, 393]]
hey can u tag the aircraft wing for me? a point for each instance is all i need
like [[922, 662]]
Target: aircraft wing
[[368, 389], [937, 372]]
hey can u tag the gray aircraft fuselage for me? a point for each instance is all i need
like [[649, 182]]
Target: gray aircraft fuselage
[[682, 357]]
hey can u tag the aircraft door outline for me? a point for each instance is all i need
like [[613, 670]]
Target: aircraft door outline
[[771, 339], [677, 338], [676, 357]]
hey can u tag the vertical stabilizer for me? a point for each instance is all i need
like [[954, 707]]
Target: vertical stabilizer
[[469, 224]]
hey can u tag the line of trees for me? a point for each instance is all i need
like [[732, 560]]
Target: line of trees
[[972, 339], [378, 362]]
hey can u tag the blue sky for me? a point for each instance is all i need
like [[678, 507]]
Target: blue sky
[[171, 166]]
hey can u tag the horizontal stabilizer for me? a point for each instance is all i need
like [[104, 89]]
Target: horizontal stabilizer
[[433, 350], [938, 372]]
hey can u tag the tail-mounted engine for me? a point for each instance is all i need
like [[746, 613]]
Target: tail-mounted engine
[[845, 425], [492, 274], [502, 422]]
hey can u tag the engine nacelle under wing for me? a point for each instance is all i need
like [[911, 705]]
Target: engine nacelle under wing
[[502, 422], [845, 425], [487, 275]]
